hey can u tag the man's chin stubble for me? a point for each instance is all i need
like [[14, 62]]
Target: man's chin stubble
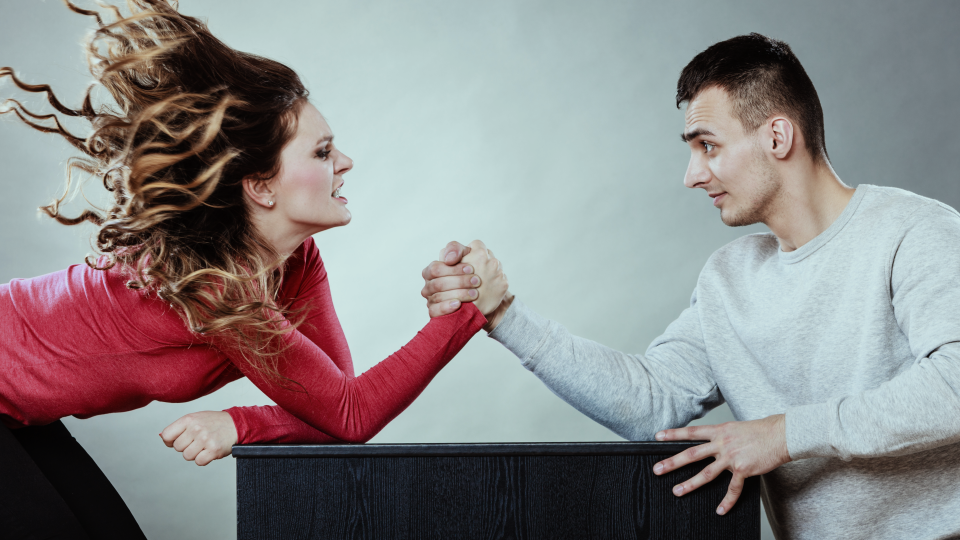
[[741, 220]]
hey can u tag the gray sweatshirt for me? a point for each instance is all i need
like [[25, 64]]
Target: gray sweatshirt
[[855, 337]]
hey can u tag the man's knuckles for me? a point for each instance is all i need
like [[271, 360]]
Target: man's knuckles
[[738, 467]]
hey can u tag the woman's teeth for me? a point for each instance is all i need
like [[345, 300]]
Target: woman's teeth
[[336, 194]]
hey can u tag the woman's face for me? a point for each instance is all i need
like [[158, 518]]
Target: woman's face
[[311, 175]]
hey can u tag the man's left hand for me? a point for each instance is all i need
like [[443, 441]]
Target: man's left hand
[[744, 448]]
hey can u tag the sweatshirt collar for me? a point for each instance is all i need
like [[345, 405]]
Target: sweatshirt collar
[[821, 239]]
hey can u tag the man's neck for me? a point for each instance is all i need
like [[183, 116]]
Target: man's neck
[[811, 199]]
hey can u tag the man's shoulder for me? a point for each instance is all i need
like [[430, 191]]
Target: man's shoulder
[[892, 206], [740, 257], [755, 247]]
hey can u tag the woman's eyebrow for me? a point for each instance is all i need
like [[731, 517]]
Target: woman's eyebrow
[[324, 139]]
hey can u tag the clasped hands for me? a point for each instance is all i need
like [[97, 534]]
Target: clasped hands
[[746, 449], [467, 274]]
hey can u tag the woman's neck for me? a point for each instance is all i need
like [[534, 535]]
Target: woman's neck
[[283, 235]]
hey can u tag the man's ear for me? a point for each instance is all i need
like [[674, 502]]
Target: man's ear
[[779, 136], [259, 190]]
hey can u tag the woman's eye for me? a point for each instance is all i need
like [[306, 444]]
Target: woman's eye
[[322, 154], [708, 147]]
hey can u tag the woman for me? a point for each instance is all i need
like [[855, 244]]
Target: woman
[[220, 172]]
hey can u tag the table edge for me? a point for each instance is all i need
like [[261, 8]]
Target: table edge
[[256, 451]]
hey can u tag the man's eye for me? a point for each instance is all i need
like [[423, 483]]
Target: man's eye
[[708, 147]]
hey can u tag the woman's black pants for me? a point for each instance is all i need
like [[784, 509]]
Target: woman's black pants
[[51, 488]]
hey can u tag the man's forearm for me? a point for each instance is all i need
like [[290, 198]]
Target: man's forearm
[[633, 395]]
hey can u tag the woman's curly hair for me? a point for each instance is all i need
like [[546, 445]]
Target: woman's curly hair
[[191, 119]]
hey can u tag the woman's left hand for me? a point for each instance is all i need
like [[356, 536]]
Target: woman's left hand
[[202, 436]]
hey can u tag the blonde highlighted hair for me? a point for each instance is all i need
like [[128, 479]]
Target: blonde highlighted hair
[[192, 118]]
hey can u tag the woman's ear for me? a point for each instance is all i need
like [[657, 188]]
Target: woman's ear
[[779, 131], [259, 190]]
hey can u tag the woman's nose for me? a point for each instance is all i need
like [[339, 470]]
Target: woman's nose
[[344, 164]]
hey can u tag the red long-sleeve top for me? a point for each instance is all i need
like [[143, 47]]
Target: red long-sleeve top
[[79, 342]]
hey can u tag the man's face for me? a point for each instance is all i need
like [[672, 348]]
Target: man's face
[[726, 162]]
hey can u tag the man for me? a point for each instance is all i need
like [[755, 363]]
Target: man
[[835, 338]]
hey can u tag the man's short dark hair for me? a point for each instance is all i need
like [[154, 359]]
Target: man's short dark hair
[[763, 77]]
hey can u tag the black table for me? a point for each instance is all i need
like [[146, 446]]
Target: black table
[[480, 491]]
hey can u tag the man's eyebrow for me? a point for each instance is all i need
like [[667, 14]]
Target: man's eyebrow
[[691, 135]]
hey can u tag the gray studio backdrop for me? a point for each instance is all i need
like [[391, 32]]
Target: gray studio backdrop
[[546, 129]]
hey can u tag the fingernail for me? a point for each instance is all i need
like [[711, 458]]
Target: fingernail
[[454, 303], [661, 435], [658, 468], [720, 510], [467, 269], [472, 293], [474, 280], [678, 490]]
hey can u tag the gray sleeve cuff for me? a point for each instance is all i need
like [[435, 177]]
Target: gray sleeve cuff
[[808, 432], [522, 331]]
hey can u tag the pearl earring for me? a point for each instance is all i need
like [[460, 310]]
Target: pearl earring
[[270, 203]]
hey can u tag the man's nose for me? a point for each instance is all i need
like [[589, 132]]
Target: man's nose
[[697, 173]]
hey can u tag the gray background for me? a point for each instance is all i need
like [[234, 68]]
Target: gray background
[[547, 129]]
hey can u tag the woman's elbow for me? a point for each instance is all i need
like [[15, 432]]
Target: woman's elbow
[[355, 438]]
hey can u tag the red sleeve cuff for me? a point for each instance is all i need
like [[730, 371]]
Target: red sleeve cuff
[[239, 423]]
